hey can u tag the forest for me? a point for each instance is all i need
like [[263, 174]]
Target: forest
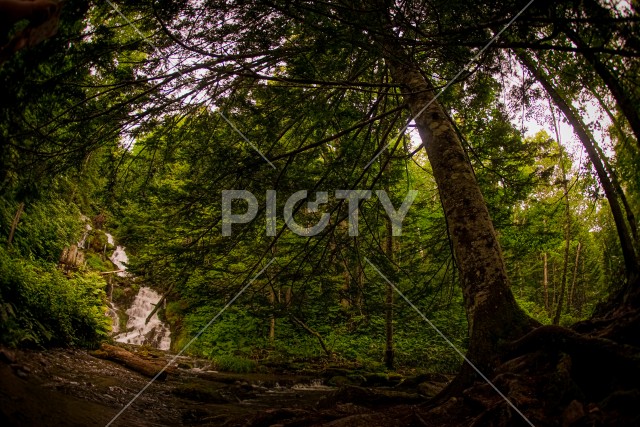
[[423, 210]]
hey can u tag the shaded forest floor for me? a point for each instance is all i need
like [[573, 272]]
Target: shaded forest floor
[[555, 376], [71, 387]]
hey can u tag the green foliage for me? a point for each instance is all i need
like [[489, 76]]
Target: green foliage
[[237, 364], [95, 262], [45, 228], [43, 307]]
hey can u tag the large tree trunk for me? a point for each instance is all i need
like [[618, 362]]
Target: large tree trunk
[[491, 309], [567, 224], [631, 218], [567, 239], [626, 243]]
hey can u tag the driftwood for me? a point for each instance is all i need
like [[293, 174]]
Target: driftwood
[[148, 368]]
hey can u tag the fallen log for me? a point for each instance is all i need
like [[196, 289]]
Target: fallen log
[[148, 368]]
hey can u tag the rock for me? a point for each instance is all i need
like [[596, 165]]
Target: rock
[[376, 379], [413, 382], [573, 413], [430, 388], [20, 370], [21, 374], [185, 365], [368, 398], [7, 355], [200, 392], [340, 381], [356, 379], [336, 372]]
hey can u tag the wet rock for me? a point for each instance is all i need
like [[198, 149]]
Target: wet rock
[[336, 372], [413, 382], [20, 370], [378, 379], [340, 381], [201, 393], [430, 388]]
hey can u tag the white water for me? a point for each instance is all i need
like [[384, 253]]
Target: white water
[[120, 259], [138, 331], [315, 384], [110, 239], [83, 239], [115, 320], [154, 332]]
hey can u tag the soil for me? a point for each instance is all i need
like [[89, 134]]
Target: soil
[[554, 377], [71, 387]]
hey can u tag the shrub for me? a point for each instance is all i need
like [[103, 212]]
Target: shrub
[[237, 364], [44, 307]]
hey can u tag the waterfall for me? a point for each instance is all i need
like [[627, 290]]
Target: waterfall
[[83, 239], [115, 320], [119, 258], [154, 332]]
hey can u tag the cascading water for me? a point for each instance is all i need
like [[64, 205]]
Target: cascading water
[[119, 258], [153, 332], [139, 331], [83, 240]]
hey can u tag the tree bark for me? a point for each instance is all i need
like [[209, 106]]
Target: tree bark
[[567, 224], [631, 218], [492, 312], [626, 243], [573, 282], [272, 317], [148, 368], [14, 223], [567, 241], [545, 281]]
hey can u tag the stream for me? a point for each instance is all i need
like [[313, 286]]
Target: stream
[[139, 331], [78, 387]]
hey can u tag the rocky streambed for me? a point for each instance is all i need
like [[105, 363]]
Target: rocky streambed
[[71, 387]]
